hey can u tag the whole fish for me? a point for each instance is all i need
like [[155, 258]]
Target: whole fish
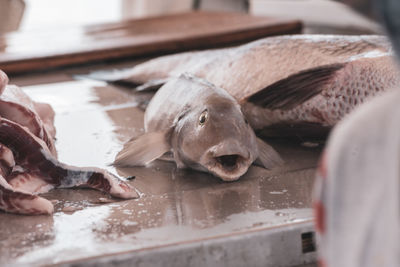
[[284, 80], [282, 84], [204, 128]]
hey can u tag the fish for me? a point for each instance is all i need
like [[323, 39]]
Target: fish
[[204, 128], [283, 82], [28, 160], [285, 85]]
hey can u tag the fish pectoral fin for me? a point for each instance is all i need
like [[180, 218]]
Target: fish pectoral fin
[[267, 156], [295, 89], [169, 156], [142, 150]]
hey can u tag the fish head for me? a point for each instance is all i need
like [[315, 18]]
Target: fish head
[[208, 132], [215, 137]]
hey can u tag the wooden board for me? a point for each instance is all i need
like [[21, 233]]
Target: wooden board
[[32, 51]]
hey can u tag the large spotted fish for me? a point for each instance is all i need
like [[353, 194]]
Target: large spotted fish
[[28, 163], [282, 83]]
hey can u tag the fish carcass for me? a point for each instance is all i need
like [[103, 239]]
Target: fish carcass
[[28, 158], [281, 83]]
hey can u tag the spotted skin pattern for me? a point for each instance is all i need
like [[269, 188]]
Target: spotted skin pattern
[[354, 84]]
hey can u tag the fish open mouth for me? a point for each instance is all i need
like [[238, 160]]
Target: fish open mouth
[[228, 162], [229, 167]]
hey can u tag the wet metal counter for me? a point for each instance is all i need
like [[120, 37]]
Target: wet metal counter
[[183, 218]]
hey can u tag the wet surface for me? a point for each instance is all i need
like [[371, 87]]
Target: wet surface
[[93, 121]]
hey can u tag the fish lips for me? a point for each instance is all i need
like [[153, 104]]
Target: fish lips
[[227, 161]]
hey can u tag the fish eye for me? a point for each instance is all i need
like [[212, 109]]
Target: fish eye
[[203, 117]]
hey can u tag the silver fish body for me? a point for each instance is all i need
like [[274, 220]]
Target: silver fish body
[[204, 128], [249, 68], [296, 79]]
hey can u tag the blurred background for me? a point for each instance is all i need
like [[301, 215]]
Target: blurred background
[[319, 16]]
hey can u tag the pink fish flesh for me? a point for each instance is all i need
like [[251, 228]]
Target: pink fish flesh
[[28, 163]]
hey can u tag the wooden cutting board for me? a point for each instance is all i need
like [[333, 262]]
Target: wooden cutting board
[[31, 51]]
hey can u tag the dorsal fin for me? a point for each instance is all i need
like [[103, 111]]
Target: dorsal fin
[[295, 89]]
